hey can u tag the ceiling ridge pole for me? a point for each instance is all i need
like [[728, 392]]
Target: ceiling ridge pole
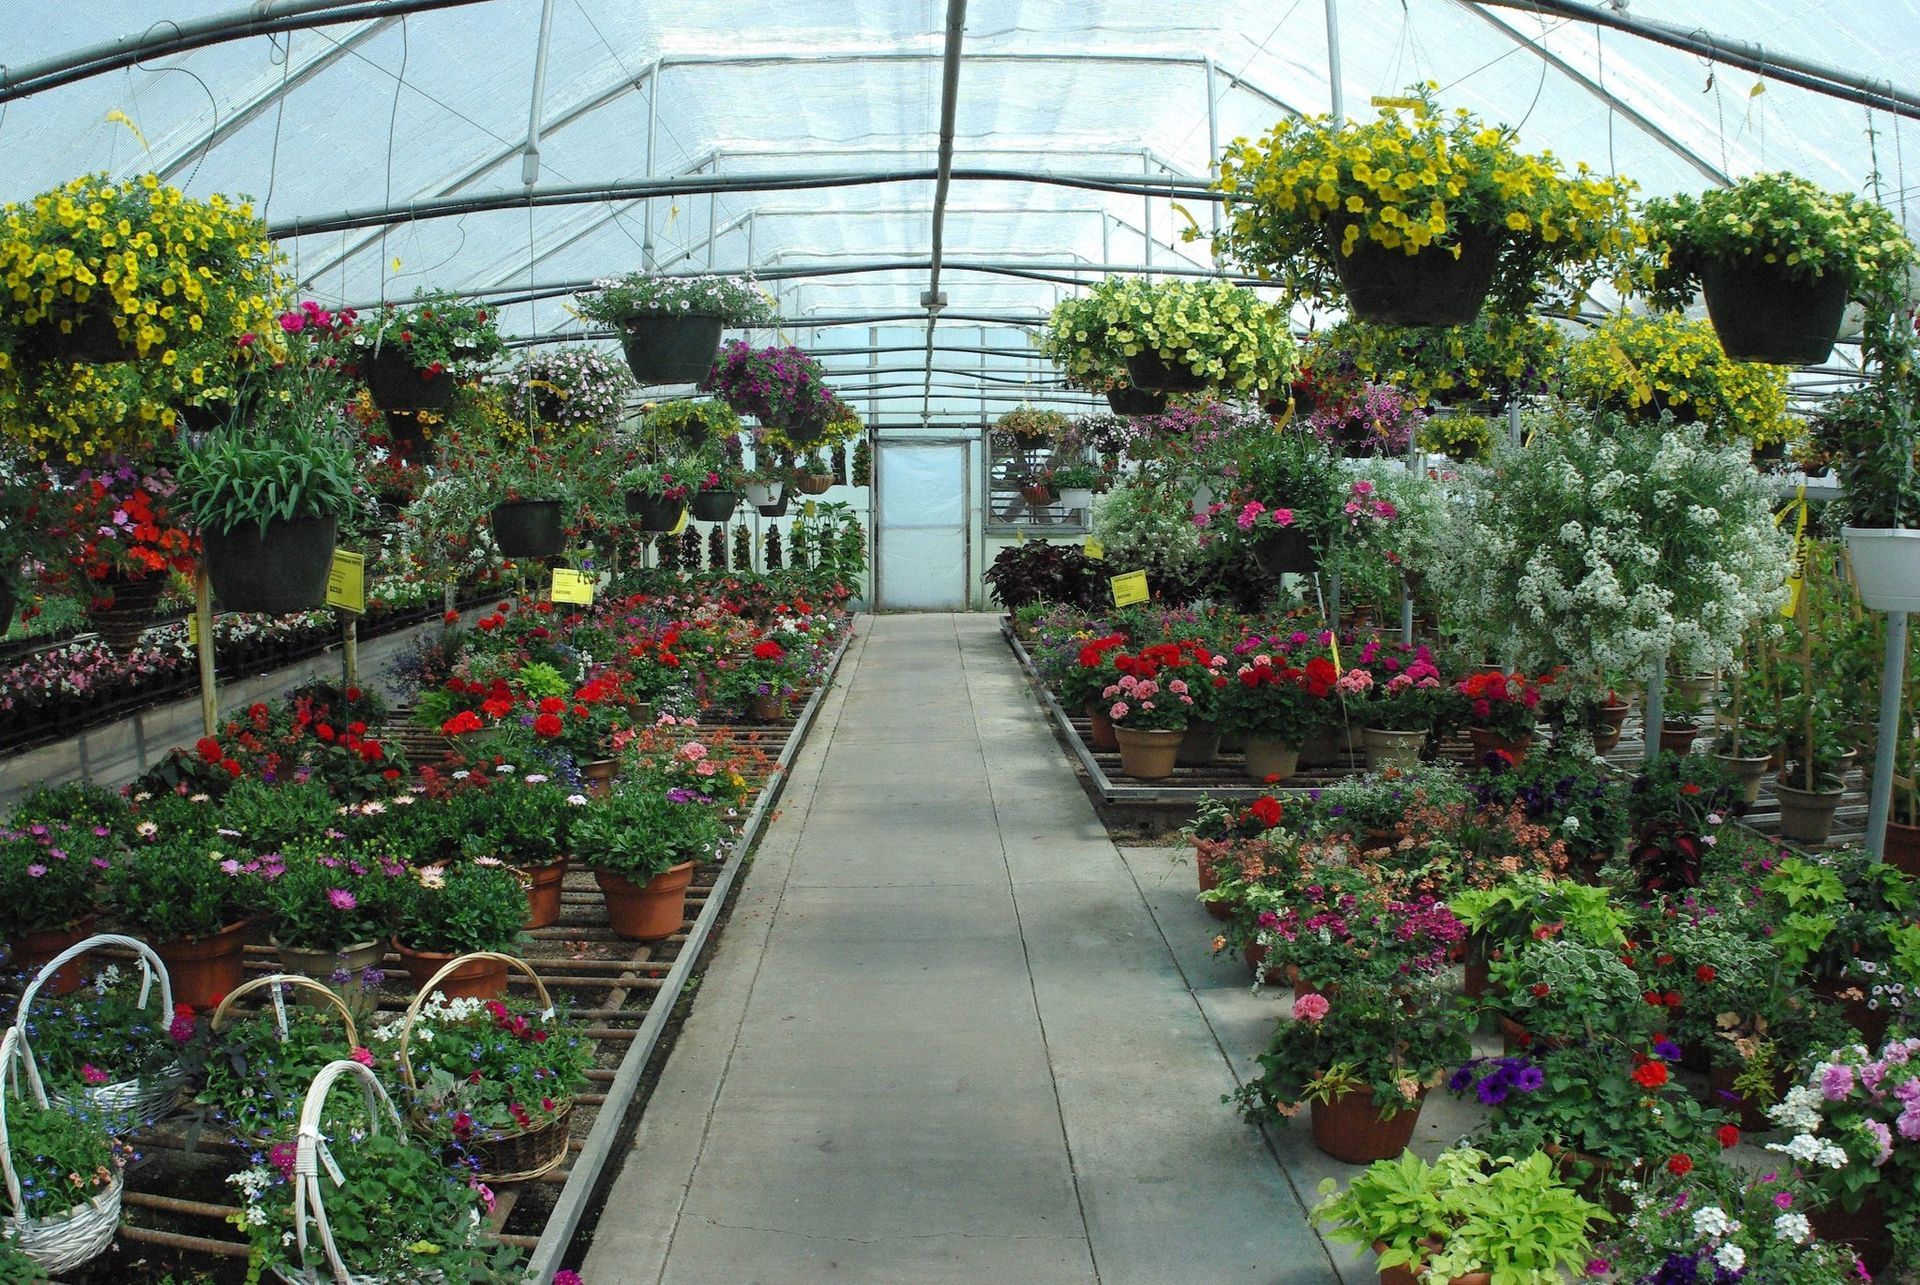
[[933, 300], [530, 155]]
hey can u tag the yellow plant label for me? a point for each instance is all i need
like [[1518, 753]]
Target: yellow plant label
[[1405, 104], [1093, 548], [681, 525], [193, 630], [1129, 588], [347, 581], [572, 586]]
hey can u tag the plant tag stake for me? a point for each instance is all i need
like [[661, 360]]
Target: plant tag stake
[[1093, 548], [347, 582], [333, 1167], [1129, 588], [572, 586]]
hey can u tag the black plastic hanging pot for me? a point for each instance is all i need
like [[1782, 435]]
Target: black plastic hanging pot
[[1128, 400], [1762, 314], [6, 605], [1431, 288], [93, 340], [671, 348], [529, 528], [654, 512], [1282, 550], [276, 569], [130, 614], [395, 383], [715, 506], [1151, 371]]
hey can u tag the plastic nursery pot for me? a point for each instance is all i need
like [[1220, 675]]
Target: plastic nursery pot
[[1677, 738], [92, 340], [1271, 759], [1763, 314], [762, 494], [715, 506], [1387, 747], [1150, 370], [1076, 497], [651, 514], [204, 969], [1392, 288], [1348, 1127], [1148, 755], [1280, 550], [543, 893], [131, 613], [395, 383], [1750, 772], [1127, 400], [1199, 745], [646, 911], [1100, 732], [1886, 566], [32, 951], [275, 569], [1807, 815], [1902, 848], [477, 978], [529, 528], [670, 348]]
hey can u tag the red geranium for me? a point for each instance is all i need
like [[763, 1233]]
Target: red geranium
[[547, 725]]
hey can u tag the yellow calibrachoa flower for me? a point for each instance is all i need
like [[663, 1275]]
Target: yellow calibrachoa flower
[[1432, 364], [1646, 364], [160, 283]]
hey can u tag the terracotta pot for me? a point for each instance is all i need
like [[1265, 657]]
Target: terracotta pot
[[1268, 758], [1408, 1274], [1486, 741], [1605, 739], [1199, 745], [204, 969], [543, 893], [1851, 996], [1100, 735], [1677, 738], [1753, 1117], [1863, 1230], [1209, 880], [1349, 1128], [1750, 772], [1608, 720], [475, 979], [1903, 847], [769, 708], [321, 964], [597, 777], [1389, 748], [1807, 815], [33, 951], [1148, 755], [647, 911], [1256, 956], [1599, 1185], [1302, 987]]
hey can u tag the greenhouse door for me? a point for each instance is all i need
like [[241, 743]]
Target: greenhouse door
[[922, 538]]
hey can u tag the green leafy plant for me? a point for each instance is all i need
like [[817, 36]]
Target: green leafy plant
[[323, 899], [1222, 333], [435, 331], [181, 886], [254, 1074], [669, 425], [460, 907], [487, 1068], [61, 1157], [48, 873], [1645, 366], [638, 832], [242, 477]]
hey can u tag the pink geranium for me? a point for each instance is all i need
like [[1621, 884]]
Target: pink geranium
[[1310, 1007]]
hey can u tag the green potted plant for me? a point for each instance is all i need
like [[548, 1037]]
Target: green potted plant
[[642, 845], [459, 908], [1873, 431], [672, 428], [521, 819], [1460, 436], [718, 476], [1489, 363], [26, 537], [1184, 336], [1286, 501], [1718, 1221], [1418, 216], [412, 355], [63, 1175], [1078, 339], [656, 493], [1075, 481], [1777, 258], [329, 911], [191, 896], [670, 326], [1466, 1217], [47, 888]]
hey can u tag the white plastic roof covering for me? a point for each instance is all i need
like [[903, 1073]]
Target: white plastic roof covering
[[380, 112]]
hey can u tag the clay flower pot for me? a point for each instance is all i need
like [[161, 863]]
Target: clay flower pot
[[1750, 772], [1807, 815], [1903, 848], [1677, 738], [543, 893], [1486, 741], [321, 965], [1100, 734], [32, 951], [1348, 1127], [647, 911], [479, 978], [1270, 759], [1199, 745], [1387, 748], [597, 777], [204, 969], [1148, 755]]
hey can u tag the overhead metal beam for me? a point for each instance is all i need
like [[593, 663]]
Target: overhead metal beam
[[263, 18], [530, 155]]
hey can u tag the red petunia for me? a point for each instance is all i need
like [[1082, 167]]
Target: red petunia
[[1650, 1075], [552, 705], [209, 749], [1267, 810], [1729, 1135], [1705, 973], [768, 649]]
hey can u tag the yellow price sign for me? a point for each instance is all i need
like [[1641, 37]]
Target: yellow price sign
[[1093, 548], [572, 586], [1129, 588], [193, 630], [347, 582]]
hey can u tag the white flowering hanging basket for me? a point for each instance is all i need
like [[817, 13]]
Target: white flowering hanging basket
[[72, 1237], [309, 1180], [1886, 566], [123, 1105]]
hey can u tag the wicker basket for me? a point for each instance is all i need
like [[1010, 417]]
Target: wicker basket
[[520, 1156], [64, 1242], [307, 1185], [322, 997], [124, 1105]]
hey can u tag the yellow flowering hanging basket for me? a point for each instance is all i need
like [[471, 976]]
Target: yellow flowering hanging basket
[[1643, 365], [134, 274]]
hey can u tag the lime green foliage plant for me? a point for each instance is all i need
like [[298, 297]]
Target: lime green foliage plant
[[1225, 334], [1493, 359], [1643, 365], [1412, 181], [435, 331]]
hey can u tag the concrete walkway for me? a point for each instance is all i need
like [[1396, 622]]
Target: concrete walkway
[[944, 1038]]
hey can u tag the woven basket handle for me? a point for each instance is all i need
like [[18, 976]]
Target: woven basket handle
[[413, 1009], [298, 982], [150, 967], [309, 1147], [11, 1045]]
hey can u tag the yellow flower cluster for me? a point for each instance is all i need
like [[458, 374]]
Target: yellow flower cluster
[[1647, 364], [169, 280], [1441, 364]]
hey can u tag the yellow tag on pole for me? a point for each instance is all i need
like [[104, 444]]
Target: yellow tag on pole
[[681, 525], [572, 586], [1797, 580], [1129, 588], [1405, 103], [1093, 548], [193, 630], [347, 582]]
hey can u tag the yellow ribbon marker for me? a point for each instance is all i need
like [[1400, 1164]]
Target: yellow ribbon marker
[[1129, 588], [681, 525], [118, 117], [1797, 581], [572, 586], [347, 582]]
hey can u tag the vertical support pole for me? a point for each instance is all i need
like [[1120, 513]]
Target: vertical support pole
[[1892, 678], [1334, 86], [350, 649], [203, 616], [1213, 151], [1146, 214], [1656, 692], [1106, 252], [653, 136], [713, 207], [1333, 602], [1513, 423]]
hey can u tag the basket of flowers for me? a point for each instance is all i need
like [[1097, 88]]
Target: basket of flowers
[[496, 1078], [104, 1049], [257, 1063], [62, 1175]]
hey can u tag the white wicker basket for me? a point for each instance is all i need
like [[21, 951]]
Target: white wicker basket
[[63, 1242], [323, 997], [124, 1105], [307, 1184]]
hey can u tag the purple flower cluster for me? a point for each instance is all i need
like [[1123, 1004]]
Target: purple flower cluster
[[779, 386], [1494, 1078]]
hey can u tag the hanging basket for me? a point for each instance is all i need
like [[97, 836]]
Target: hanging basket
[[715, 506], [1886, 566], [92, 341], [803, 432], [1150, 370], [308, 1174], [124, 1105], [1282, 550], [275, 570], [1128, 400], [131, 614], [769, 498], [671, 348], [395, 383], [529, 528], [815, 483], [313, 994], [1432, 288], [524, 1154], [654, 513], [1763, 314], [65, 1241]]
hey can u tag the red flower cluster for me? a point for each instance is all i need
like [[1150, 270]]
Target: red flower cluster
[[1485, 691], [1267, 810], [768, 649]]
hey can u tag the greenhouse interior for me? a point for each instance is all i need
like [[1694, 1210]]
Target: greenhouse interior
[[985, 641]]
